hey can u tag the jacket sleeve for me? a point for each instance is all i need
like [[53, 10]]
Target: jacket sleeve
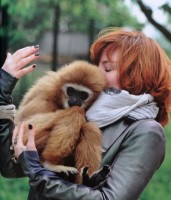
[[141, 153], [7, 167]]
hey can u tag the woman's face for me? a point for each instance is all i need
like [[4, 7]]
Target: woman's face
[[110, 69]]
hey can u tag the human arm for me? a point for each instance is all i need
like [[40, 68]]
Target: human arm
[[141, 152], [12, 70]]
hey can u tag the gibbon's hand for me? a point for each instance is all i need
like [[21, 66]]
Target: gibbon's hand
[[17, 139], [15, 63], [96, 178]]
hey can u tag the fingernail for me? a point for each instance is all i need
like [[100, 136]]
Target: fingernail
[[37, 54], [30, 126], [36, 46], [34, 66]]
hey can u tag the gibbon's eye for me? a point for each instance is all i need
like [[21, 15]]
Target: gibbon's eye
[[83, 95], [71, 91]]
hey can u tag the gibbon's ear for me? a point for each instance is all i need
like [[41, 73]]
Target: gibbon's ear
[[97, 178]]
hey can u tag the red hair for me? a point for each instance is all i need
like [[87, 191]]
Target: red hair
[[143, 65]]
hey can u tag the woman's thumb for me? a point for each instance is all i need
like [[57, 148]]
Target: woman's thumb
[[8, 55]]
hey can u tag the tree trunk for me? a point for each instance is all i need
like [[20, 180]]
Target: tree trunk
[[148, 13], [55, 37], [4, 37], [91, 33]]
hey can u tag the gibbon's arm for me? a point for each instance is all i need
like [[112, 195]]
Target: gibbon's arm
[[57, 126], [30, 106], [43, 123], [141, 153], [88, 151]]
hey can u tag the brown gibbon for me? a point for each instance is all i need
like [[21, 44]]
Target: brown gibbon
[[56, 106]]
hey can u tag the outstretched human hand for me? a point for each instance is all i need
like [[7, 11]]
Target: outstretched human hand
[[17, 139], [15, 64]]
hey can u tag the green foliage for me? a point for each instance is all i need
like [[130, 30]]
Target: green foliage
[[30, 19], [14, 189], [159, 187], [27, 21], [103, 12]]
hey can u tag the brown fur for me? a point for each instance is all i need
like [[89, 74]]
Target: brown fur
[[63, 133]]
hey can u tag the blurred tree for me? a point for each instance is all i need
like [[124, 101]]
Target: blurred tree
[[148, 13], [76, 15], [3, 37], [91, 16], [30, 19], [55, 36]]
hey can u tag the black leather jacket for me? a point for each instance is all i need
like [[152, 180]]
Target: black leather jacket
[[133, 150]]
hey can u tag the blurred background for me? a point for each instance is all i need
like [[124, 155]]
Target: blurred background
[[65, 29]]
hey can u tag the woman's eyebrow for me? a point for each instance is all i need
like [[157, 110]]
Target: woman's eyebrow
[[113, 64]]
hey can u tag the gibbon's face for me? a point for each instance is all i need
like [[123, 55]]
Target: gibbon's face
[[76, 95]]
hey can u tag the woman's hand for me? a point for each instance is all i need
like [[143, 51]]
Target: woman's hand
[[15, 63], [17, 139]]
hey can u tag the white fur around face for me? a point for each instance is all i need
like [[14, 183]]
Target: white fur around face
[[79, 88]]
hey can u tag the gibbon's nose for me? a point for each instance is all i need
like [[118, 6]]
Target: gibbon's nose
[[73, 101]]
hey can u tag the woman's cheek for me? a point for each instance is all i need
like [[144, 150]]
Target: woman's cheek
[[113, 80]]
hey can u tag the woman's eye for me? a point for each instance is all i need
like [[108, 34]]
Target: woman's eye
[[108, 70]]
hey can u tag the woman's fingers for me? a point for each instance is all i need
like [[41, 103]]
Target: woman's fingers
[[23, 62], [31, 139], [16, 62], [20, 134], [15, 134], [24, 71], [18, 140], [25, 52], [9, 55]]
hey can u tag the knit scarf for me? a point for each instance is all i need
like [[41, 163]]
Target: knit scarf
[[114, 104]]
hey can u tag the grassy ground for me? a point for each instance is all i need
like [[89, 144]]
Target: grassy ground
[[159, 187]]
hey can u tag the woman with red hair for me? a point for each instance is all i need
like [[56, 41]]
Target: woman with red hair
[[142, 65], [131, 113]]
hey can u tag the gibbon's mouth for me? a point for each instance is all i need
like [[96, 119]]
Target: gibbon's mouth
[[74, 102]]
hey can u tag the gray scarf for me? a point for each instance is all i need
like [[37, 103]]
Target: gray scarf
[[114, 104], [7, 112]]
